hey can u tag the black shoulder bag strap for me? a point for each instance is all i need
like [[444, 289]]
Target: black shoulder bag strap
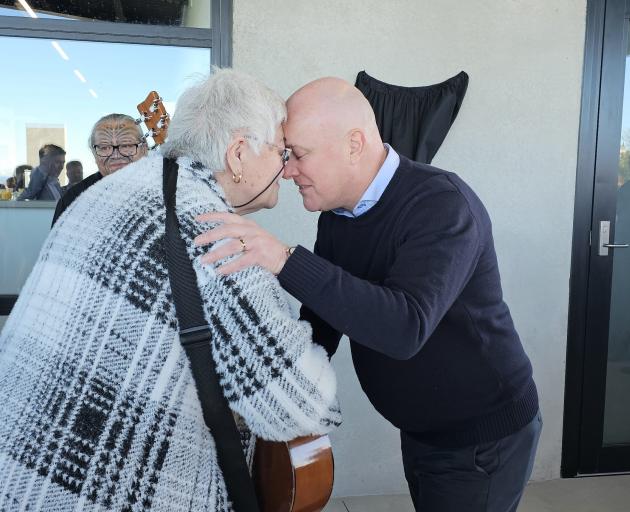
[[196, 338]]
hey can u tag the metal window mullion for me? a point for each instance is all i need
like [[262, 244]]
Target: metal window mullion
[[97, 31], [222, 20]]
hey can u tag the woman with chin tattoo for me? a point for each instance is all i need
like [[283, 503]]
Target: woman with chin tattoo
[[116, 141]]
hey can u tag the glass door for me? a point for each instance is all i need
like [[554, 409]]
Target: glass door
[[617, 398], [604, 445]]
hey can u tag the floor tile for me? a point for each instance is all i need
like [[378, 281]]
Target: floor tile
[[396, 503], [335, 506], [594, 494]]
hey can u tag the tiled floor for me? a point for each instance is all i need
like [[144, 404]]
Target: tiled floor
[[598, 494]]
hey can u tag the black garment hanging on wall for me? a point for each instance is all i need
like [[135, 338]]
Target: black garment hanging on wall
[[414, 120]]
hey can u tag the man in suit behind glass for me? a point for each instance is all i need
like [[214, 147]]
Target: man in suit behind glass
[[44, 184]]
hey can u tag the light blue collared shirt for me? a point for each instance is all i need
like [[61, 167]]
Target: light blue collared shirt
[[374, 192]]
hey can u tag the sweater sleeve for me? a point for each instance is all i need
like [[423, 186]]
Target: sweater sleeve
[[272, 375], [438, 247], [323, 333]]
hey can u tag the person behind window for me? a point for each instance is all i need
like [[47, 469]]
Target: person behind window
[[116, 141], [10, 187], [44, 184], [98, 408], [19, 176], [74, 171]]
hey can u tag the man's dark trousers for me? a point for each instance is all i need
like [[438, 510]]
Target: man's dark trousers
[[488, 477]]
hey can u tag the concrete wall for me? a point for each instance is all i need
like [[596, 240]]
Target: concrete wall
[[515, 142]]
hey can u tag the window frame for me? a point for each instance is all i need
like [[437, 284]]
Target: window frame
[[218, 38]]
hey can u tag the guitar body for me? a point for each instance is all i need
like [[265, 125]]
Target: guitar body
[[293, 476]]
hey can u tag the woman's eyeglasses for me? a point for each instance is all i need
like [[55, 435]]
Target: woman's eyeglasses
[[123, 149], [285, 153]]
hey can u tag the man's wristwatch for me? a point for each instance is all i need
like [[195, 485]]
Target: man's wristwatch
[[289, 251]]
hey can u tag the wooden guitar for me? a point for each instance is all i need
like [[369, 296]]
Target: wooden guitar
[[293, 476], [155, 117]]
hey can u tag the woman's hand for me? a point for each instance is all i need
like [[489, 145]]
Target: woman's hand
[[256, 245]]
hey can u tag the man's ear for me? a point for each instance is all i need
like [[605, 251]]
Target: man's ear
[[233, 156], [356, 138]]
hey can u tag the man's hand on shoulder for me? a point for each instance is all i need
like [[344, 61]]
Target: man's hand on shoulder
[[255, 245]]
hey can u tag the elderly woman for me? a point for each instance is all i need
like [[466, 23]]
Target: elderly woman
[[98, 408]]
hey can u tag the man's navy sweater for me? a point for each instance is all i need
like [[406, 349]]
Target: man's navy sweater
[[414, 283]]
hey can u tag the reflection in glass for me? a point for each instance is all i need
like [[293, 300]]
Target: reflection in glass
[[177, 13], [617, 411], [51, 99], [44, 100]]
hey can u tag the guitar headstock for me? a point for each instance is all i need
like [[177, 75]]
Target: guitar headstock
[[155, 117]]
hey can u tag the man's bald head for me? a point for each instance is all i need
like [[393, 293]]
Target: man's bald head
[[333, 103], [337, 149]]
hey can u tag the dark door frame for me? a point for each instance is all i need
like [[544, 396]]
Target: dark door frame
[[591, 275]]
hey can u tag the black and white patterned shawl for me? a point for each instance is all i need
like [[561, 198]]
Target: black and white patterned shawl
[[98, 409]]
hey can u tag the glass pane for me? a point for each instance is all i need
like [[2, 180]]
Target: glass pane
[[178, 13], [617, 410], [57, 91]]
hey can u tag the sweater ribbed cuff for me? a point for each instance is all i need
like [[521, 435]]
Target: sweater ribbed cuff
[[302, 273]]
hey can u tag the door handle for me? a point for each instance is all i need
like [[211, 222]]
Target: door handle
[[604, 239]]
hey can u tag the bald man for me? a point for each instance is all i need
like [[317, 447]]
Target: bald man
[[404, 265], [116, 141]]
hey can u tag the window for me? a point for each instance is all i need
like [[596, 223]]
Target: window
[[66, 64], [58, 89], [176, 13]]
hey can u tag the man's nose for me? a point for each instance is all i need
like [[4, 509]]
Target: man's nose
[[290, 170]]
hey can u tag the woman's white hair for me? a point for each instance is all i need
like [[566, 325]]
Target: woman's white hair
[[210, 113]]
